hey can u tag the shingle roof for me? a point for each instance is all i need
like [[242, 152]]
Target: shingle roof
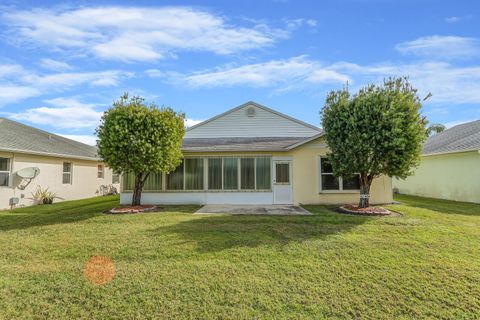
[[464, 137], [240, 144], [17, 137]]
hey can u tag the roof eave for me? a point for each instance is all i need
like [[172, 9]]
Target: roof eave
[[300, 143], [449, 152], [49, 154]]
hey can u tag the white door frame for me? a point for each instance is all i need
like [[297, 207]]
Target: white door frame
[[282, 192]]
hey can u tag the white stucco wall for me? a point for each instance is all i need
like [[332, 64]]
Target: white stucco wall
[[84, 184]]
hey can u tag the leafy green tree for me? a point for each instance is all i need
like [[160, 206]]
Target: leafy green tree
[[377, 131], [137, 138], [435, 128]]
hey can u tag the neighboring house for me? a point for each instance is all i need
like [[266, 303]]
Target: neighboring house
[[68, 168], [450, 166], [254, 155]]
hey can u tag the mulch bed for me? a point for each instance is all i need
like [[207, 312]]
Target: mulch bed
[[134, 209], [370, 211]]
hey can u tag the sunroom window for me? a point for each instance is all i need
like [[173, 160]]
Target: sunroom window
[[331, 182]]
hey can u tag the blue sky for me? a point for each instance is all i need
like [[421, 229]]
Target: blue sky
[[62, 65]]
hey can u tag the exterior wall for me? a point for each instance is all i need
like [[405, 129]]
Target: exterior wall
[[263, 124], [305, 179], [454, 176], [84, 184]]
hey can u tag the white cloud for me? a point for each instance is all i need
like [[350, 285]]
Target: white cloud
[[449, 84], [87, 139], [55, 65], [311, 22], [273, 73], [64, 113], [18, 83], [135, 33], [13, 93], [190, 122], [154, 73], [441, 47], [452, 19], [71, 79]]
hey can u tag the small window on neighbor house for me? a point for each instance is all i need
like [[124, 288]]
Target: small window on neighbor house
[[330, 182], [4, 172], [100, 171], [67, 173], [115, 178]]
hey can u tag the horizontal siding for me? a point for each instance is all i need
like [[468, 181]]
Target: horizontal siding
[[263, 124]]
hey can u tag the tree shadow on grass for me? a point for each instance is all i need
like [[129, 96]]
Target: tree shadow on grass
[[215, 233], [58, 213], [440, 205]]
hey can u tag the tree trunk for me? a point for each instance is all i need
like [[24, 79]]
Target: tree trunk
[[137, 190], [365, 183]]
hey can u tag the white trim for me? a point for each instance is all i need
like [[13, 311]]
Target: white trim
[[48, 154], [9, 172], [340, 181], [449, 152], [258, 106], [300, 143]]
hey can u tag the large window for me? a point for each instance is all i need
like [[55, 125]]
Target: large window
[[175, 178], [247, 173], [263, 176], [194, 174], [221, 173], [67, 173], [230, 173], [215, 174], [153, 182], [4, 172], [330, 182]]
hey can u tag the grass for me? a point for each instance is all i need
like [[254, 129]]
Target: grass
[[424, 264]]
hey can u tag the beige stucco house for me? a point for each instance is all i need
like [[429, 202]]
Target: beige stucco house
[[254, 155], [450, 166], [68, 168]]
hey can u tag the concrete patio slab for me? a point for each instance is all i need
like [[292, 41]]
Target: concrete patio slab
[[281, 210]]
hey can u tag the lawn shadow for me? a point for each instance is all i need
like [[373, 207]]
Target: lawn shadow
[[58, 213], [440, 205], [217, 232]]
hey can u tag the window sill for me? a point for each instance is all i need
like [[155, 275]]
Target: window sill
[[339, 192]]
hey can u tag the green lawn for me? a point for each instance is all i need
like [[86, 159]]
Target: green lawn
[[424, 264]]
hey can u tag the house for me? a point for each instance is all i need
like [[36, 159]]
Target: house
[[32, 158], [253, 155], [449, 167]]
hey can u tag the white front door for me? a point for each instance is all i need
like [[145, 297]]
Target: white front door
[[282, 182]]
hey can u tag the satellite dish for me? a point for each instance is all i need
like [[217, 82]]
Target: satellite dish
[[28, 173]]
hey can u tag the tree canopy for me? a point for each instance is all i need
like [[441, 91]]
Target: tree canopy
[[377, 131], [139, 138]]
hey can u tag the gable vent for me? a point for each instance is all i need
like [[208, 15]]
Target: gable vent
[[251, 112]]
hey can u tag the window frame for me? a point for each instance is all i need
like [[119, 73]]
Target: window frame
[[69, 173], [100, 171], [8, 172], [114, 174], [340, 180]]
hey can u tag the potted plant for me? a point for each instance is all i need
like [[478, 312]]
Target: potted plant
[[44, 195]]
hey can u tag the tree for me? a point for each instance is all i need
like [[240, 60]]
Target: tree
[[435, 128], [137, 138], [377, 131]]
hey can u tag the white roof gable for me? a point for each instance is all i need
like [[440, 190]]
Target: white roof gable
[[251, 120]]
